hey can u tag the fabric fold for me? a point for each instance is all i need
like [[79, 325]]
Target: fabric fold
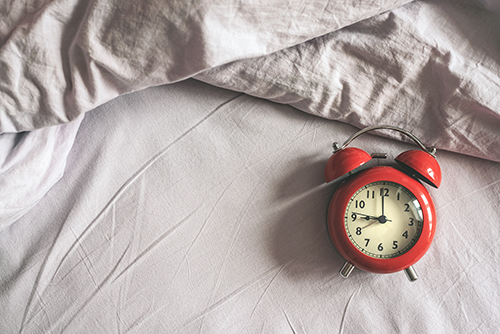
[[31, 163], [60, 59], [390, 69]]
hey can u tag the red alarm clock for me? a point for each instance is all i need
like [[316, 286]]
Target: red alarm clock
[[382, 219]]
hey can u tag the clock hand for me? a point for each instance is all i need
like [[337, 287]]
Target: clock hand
[[373, 222], [381, 220], [376, 221], [383, 205], [367, 217]]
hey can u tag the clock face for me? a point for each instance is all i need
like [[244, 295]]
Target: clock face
[[383, 219]]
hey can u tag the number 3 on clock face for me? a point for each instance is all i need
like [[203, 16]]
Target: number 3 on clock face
[[383, 219]]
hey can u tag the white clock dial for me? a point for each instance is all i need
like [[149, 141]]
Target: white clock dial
[[383, 219]]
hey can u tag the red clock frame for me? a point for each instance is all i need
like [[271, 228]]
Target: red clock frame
[[338, 234]]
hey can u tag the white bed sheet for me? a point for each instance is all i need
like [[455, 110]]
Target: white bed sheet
[[212, 220]]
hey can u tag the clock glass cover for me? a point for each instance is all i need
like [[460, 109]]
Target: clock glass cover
[[383, 219]]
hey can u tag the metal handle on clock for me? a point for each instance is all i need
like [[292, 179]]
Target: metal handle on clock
[[431, 150]]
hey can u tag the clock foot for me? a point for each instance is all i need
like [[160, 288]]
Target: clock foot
[[346, 269], [411, 274]]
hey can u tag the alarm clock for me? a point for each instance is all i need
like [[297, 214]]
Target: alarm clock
[[382, 219]]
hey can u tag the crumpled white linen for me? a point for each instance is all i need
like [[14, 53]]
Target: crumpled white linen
[[59, 59], [431, 67], [31, 163], [187, 208]]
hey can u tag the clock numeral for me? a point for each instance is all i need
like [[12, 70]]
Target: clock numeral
[[405, 234], [380, 247], [358, 230], [398, 196], [407, 207], [384, 192], [394, 244], [367, 242], [411, 222], [360, 204], [368, 194], [354, 216]]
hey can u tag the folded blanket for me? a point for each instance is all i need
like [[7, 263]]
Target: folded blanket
[[59, 59], [429, 67]]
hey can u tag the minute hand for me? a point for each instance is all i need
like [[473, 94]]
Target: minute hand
[[383, 205]]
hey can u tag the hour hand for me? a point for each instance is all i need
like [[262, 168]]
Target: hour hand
[[365, 216]]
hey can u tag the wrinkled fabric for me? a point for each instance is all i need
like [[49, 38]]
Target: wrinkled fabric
[[59, 59], [187, 208], [31, 164], [429, 67], [213, 220]]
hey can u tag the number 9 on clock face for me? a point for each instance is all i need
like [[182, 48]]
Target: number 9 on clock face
[[383, 219]]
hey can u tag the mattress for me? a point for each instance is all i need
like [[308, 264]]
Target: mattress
[[154, 195]]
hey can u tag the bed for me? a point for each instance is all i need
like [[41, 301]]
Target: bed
[[162, 163]]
